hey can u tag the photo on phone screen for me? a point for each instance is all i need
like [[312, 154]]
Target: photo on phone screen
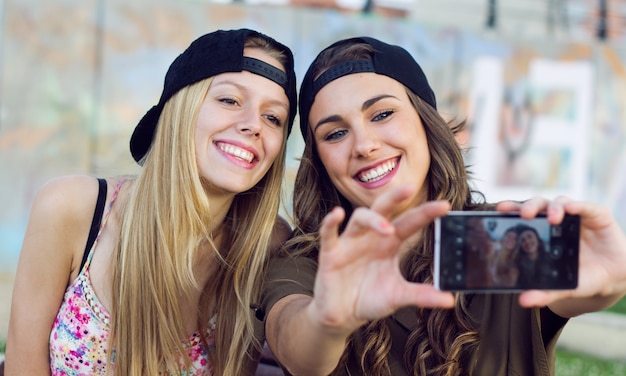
[[501, 252]]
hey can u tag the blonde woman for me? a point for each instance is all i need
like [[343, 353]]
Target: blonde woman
[[168, 284]]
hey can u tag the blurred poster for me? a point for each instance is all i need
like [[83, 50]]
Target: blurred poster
[[531, 133]]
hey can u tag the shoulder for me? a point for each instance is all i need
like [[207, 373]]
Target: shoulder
[[62, 211], [66, 203], [73, 184], [66, 197], [58, 226]]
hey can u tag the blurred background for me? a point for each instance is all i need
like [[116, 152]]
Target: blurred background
[[542, 84]]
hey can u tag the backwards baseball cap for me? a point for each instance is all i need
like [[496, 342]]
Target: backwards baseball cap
[[389, 60], [212, 54]]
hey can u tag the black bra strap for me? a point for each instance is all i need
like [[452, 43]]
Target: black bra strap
[[97, 219]]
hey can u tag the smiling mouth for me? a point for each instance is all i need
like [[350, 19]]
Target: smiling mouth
[[235, 151], [377, 172]]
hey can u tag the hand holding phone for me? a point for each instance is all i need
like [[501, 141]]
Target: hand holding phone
[[502, 252]]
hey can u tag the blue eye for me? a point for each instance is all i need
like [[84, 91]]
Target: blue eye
[[335, 135], [382, 115]]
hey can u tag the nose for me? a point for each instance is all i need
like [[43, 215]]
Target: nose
[[366, 142], [250, 123]]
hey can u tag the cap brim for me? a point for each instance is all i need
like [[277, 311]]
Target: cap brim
[[143, 134]]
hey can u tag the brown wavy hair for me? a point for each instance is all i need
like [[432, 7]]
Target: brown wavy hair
[[445, 340]]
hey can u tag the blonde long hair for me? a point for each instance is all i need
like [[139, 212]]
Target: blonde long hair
[[166, 221]]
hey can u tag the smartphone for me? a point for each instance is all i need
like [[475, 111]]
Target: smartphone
[[490, 251]]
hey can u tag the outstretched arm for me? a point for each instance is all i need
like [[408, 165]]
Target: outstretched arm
[[358, 280], [602, 275]]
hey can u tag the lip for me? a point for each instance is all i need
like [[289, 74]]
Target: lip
[[382, 179], [230, 148]]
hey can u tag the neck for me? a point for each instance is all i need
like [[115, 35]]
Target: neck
[[219, 205]]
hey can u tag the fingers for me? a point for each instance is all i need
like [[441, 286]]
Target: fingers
[[527, 209], [361, 222], [364, 219], [387, 203], [380, 214], [330, 227], [554, 209], [541, 298], [415, 219], [377, 217], [422, 295], [593, 216]]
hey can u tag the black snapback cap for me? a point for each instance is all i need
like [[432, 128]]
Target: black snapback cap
[[389, 60], [209, 55]]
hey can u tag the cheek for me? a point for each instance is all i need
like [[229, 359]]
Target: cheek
[[273, 144], [203, 120], [199, 140], [421, 156], [330, 157], [201, 129], [412, 138]]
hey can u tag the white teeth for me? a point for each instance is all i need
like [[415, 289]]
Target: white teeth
[[237, 152], [378, 172]]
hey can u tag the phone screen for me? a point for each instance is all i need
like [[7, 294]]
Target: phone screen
[[493, 251]]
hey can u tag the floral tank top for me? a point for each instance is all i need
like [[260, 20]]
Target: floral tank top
[[80, 333]]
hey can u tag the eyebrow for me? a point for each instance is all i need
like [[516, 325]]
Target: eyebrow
[[367, 104], [247, 89]]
